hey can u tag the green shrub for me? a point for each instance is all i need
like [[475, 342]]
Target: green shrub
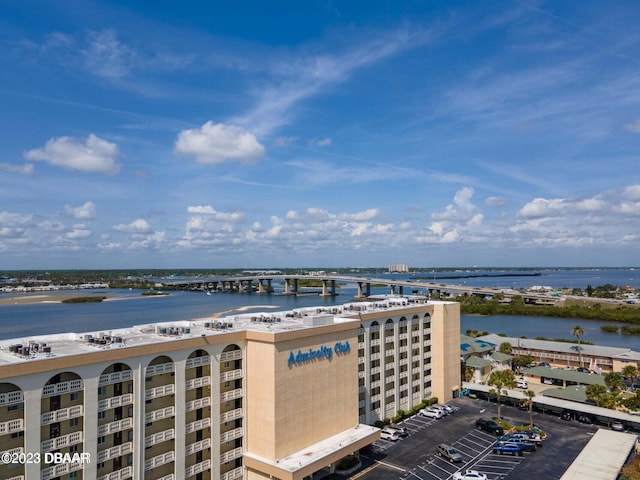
[[347, 462]]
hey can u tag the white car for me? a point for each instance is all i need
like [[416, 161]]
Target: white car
[[522, 383], [430, 413], [388, 434], [469, 475]]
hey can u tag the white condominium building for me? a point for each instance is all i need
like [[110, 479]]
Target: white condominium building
[[280, 395]]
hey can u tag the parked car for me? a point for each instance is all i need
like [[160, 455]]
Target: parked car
[[584, 418], [388, 434], [618, 426], [441, 408], [522, 383], [566, 415], [536, 436], [469, 475], [526, 444], [582, 369], [508, 447], [447, 409], [449, 453], [489, 426], [430, 413], [399, 429]]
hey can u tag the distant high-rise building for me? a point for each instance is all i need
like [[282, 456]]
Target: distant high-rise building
[[399, 267]]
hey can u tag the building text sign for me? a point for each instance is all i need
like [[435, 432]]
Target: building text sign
[[320, 353]]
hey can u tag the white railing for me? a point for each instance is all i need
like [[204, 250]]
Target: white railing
[[362, 374], [115, 452], [161, 391], [171, 476], [231, 395], [159, 414], [159, 437], [62, 414], [197, 403], [231, 375], [62, 387], [158, 369], [231, 455], [115, 402], [11, 426], [197, 383], [232, 355], [59, 442], [11, 397], [17, 477], [59, 469], [197, 468], [122, 474], [115, 377], [197, 446], [232, 474], [197, 425], [375, 356], [113, 427], [198, 361], [159, 460], [374, 370], [231, 435], [231, 415]]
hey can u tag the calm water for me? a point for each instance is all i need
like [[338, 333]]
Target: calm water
[[23, 321]]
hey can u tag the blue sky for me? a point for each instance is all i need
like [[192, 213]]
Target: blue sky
[[291, 134]]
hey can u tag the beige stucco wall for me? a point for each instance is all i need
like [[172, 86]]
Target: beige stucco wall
[[290, 407], [445, 350]]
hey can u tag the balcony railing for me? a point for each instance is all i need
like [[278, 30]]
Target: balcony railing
[[231, 395], [60, 469], [197, 446], [198, 425], [11, 426], [197, 383], [159, 437], [231, 435], [232, 474], [113, 427], [115, 377], [114, 402], [122, 474], [115, 452], [198, 361], [159, 414], [231, 415], [230, 356], [197, 403], [231, 455], [159, 369], [60, 442], [231, 375], [62, 387], [158, 460], [158, 392], [62, 414], [197, 468], [10, 398]]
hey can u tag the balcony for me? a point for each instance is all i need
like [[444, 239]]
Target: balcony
[[113, 427], [158, 460], [62, 414], [232, 474], [361, 374], [17, 477], [197, 468], [231, 435], [231, 375], [230, 356], [159, 437], [230, 415], [197, 446], [59, 470], [375, 356], [374, 370], [11, 426], [197, 425], [115, 377], [62, 387], [159, 369], [115, 452], [360, 345], [122, 474], [158, 392], [231, 395], [60, 442], [10, 398], [114, 402], [197, 403], [197, 383], [231, 455], [198, 361], [159, 414]]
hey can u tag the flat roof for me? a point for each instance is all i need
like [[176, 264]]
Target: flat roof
[[603, 457], [40, 347], [567, 375]]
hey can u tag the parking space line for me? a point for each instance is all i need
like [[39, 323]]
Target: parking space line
[[391, 465], [431, 473]]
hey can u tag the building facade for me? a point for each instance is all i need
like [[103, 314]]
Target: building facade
[[270, 395]]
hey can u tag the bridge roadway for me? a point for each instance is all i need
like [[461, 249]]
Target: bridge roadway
[[246, 283]]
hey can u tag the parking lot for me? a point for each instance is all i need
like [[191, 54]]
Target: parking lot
[[415, 456]]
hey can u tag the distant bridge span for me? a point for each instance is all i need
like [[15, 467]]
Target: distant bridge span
[[263, 283]]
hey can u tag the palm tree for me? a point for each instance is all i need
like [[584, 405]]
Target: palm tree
[[578, 331], [501, 379], [530, 394]]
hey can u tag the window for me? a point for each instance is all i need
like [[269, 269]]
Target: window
[[73, 474], [102, 390], [17, 406], [100, 465], [74, 422], [101, 440], [73, 449], [74, 396], [102, 414]]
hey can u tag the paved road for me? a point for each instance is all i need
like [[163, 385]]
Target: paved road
[[414, 457]]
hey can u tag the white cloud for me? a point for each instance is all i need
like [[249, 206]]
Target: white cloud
[[90, 155], [105, 56], [78, 232], [83, 212], [215, 143], [218, 216], [633, 127], [285, 141], [496, 202], [26, 169], [139, 225], [320, 142]]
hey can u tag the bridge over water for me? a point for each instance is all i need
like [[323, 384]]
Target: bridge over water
[[262, 283]]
